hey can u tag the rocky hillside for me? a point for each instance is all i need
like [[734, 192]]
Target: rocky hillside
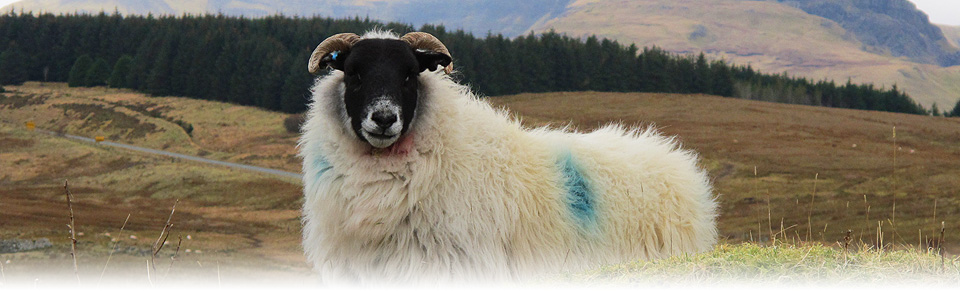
[[772, 36], [893, 27]]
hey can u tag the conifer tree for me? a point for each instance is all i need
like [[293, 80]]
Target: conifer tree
[[120, 71], [956, 110], [78, 73], [12, 67], [934, 110], [722, 79], [98, 74], [158, 80], [223, 70], [703, 79], [295, 91]]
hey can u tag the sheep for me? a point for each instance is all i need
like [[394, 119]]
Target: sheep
[[409, 177]]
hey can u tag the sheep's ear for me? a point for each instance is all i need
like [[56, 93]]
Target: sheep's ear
[[334, 59], [429, 60]]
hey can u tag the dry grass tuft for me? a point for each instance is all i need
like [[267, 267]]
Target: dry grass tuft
[[73, 231], [113, 249], [3, 275], [162, 239]]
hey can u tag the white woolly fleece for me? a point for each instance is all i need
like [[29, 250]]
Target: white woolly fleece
[[479, 198]]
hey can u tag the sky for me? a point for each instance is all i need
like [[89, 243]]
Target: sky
[[940, 11]]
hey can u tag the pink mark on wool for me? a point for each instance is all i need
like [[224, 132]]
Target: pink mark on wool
[[401, 147]]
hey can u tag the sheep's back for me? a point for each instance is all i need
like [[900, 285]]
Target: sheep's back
[[628, 195]]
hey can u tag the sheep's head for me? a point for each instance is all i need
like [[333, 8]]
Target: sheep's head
[[380, 78]]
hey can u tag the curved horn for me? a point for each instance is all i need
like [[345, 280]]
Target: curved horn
[[338, 42], [423, 40]]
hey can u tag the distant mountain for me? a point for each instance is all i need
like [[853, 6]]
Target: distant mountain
[[506, 17], [952, 33], [776, 36], [893, 27]]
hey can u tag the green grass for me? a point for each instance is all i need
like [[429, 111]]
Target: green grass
[[786, 264]]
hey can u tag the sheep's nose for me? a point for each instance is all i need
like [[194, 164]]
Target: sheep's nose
[[384, 119]]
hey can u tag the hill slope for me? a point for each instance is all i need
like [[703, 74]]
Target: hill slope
[[245, 221], [476, 16], [772, 36], [952, 33], [841, 167], [838, 166], [217, 130], [893, 27]]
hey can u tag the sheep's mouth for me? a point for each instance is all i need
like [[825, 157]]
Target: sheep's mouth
[[379, 140], [380, 136]]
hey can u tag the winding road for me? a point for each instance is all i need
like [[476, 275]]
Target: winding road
[[176, 155]]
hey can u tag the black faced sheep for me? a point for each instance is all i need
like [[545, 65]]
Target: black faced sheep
[[409, 177]]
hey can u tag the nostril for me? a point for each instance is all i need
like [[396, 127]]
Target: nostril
[[384, 118]]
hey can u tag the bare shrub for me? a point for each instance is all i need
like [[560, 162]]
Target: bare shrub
[[293, 122]]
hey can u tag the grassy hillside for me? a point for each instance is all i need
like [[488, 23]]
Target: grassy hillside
[[841, 168], [771, 36], [241, 222], [216, 130], [819, 173], [237, 222], [894, 27], [849, 156], [952, 33]]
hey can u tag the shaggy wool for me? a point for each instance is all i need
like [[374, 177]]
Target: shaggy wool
[[475, 196]]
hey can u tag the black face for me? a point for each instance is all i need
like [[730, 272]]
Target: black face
[[381, 94]]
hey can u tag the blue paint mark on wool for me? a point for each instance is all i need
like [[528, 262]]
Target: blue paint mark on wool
[[579, 195], [323, 166]]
